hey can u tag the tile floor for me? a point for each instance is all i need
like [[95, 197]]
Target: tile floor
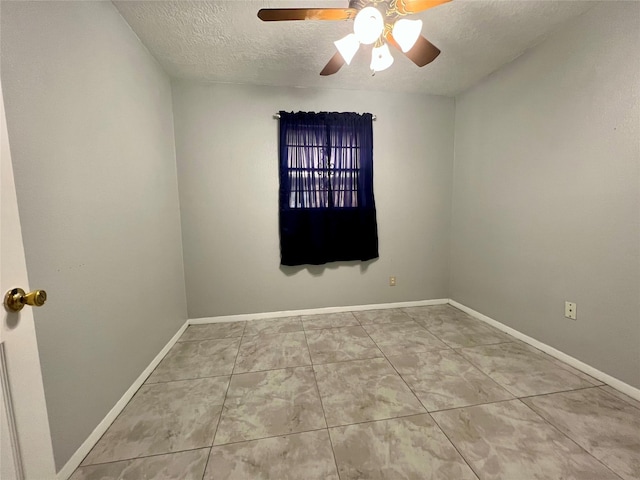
[[413, 393]]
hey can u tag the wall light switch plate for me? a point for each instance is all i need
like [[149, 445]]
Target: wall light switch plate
[[570, 310]]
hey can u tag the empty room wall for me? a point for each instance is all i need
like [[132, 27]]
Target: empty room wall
[[546, 192], [227, 151], [91, 132]]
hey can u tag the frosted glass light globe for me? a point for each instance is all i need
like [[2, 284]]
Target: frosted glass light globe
[[381, 58], [406, 33], [348, 46], [368, 25]]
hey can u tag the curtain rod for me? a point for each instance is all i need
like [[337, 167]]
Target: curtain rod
[[277, 115]]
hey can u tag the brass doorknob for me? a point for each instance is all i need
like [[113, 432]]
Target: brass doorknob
[[16, 298]]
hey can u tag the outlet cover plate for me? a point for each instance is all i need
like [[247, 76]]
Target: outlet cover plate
[[570, 310]]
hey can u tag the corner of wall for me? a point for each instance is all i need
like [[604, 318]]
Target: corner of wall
[[452, 199]]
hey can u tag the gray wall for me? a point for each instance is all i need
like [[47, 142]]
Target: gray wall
[[91, 131], [546, 185], [226, 143]]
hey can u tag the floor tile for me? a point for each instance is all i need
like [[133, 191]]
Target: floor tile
[[187, 465], [521, 369], [329, 320], [631, 401], [569, 368], [213, 330], [464, 332], [390, 315], [444, 379], [363, 390], [197, 359], [265, 404], [400, 448], [273, 325], [606, 427], [340, 344], [267, 352], [435, 312], [163, 418], [508, 441], [273, 423], [403, 337], [298, 456]]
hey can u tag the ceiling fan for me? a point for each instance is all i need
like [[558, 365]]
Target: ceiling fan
[[375, 21]]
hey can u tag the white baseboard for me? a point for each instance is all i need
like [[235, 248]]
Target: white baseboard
[[315, 311], [568, 359], [74, 462]]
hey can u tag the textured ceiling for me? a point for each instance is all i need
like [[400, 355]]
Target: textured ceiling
[[224, 41]]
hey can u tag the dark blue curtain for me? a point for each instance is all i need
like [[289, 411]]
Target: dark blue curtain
[[327, 209]]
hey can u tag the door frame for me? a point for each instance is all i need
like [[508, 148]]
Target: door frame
[[23, 392]]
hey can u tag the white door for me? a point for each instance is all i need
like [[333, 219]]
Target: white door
[[25, 448]]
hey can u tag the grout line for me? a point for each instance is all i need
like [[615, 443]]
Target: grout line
[[185, 379], [270, 334], [579, 365], [236, 373], [324, 413], [506, 387], [206, 464], [207, 339], [224, 401], [277, 435], [563, 365], [419, 401], [408, 415], [114, 421], [267, 334], [250, 337], [521, 397], [473, 405], [145, 456], [510, 359], [235, 362], [464, 459], [345, 361], [617, 397], [566, 435], [330, 327], [398, 373]]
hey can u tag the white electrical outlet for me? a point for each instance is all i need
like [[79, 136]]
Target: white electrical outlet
[[570, 310], [392, 281]]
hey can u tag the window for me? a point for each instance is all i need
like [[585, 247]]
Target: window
[[327, 209], [323, 168]]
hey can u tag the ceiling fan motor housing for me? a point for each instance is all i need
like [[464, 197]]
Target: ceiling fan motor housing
[[359, 4], [391, 9]]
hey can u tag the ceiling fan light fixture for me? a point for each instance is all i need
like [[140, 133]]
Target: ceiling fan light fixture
[[368, 25], [381, 58], [406, 33], [348, 46]]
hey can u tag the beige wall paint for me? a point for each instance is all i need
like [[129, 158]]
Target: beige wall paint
[[91, 129], [227, 150], [546, 192]]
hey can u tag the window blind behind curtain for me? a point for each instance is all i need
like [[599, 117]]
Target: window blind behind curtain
[[327, 208]]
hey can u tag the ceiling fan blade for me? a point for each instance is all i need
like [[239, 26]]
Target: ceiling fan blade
[[422, 53], [415, 6], [333, 65], [283, 14]]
